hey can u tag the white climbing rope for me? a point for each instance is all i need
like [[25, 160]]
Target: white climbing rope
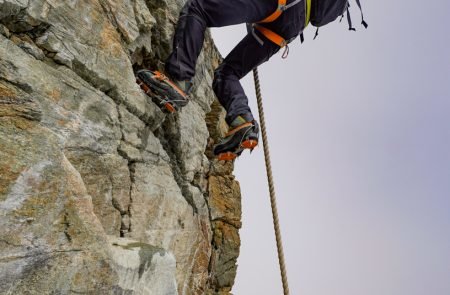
[[276, 222]]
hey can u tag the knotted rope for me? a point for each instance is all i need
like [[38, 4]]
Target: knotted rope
[[276, 222]]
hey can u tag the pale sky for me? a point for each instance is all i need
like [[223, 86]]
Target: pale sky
[[359, 131]]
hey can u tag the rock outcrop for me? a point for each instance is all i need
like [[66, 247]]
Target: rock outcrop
[[100, 191]]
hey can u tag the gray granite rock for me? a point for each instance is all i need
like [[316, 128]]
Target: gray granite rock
[[100, 191]]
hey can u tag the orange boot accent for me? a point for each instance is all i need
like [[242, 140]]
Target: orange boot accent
[[231, 132], [161, 77], [169, 107], [228, 156], [249, 144], [144, 87]]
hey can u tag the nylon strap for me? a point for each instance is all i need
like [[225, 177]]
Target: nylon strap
[[308, 12], [161, 77], [363, 22], [349, 20], [242, 126], [276, 13], [272, 36]]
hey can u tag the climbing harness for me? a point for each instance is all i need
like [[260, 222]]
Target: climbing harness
[[271, 35], [276, 222], [318, 22]]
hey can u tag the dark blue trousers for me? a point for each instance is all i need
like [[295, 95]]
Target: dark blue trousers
[[197, 15]]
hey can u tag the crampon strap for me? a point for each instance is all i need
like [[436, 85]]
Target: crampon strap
[[161, 77], [242, 126]]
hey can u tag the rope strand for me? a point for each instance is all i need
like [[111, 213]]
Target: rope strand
[[276, 222]]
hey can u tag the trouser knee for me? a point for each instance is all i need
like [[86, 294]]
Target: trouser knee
[[194, 8], [218, 82]]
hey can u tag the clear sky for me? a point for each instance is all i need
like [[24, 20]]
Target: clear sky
[[359, 130]]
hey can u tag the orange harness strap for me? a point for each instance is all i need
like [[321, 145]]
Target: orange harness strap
[[276, 13], [271, 35]]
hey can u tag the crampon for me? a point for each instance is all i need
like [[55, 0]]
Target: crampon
[[242, 137], [165, 93]]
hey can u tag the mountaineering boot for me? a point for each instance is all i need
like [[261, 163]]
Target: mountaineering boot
[[243, 135], [169, 95]]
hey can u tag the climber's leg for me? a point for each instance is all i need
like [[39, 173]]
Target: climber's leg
[[171, 93], [244, 130], [247, 55], [196, 16]]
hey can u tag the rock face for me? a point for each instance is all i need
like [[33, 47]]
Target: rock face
[[101, 192]]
